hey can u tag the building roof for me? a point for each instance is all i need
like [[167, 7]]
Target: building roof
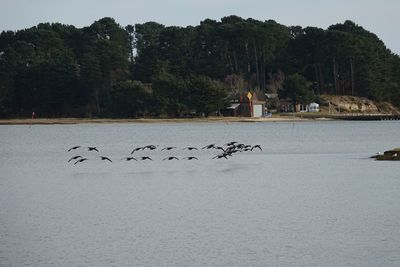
[[271, 96], [233, 106]]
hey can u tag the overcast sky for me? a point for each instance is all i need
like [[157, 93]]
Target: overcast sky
[[381, 17]]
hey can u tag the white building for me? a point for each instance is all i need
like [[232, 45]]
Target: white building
[[313, 107]]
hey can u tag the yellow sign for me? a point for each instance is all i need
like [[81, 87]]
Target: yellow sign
[[249, 95]]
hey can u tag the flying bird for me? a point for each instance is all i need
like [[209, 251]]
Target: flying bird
[[171, 158], [220, 156], [231, 149], [145, 158], [231, 143], [136, 149], [256, 146], [80, 160], [209, 146], [73, 148], [130, 158], [190, 148], [168, 148], [190, 158], [151, 147], [92, 148], [230, 152], [105, 158], [240, 146], [75, 157]]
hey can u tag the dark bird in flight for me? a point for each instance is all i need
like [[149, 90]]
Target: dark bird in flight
[[168, 148], [151, 147], [230, 152], [220, 156], [209, 146], [73, 148], [130, 158], [256, 146], [171, 158], [75, 157], [190, 158], [190, 148], [136, 149], [80, 160], [240, 146], [218, 147], [231, 149], [105, 158], [92, 148], [231, 143], [144, 158]]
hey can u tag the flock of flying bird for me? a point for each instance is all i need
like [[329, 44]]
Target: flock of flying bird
[[227, 150]]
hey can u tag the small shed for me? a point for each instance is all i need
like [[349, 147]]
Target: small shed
[[313, 107], [231, 111], [258, 108], [245, 105]]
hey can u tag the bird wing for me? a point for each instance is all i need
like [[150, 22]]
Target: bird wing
[[105, 158], [80, 160], [74, 157], [72, 148]]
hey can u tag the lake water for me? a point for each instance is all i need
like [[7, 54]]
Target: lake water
[[311, 197]]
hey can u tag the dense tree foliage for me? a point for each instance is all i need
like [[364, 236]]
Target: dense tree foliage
[[152, 70], [297, 89]]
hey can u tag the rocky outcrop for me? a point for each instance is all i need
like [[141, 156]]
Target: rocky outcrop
[[393, 154], [353, 104]]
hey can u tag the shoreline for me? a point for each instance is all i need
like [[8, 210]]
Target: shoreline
[[50, 121], [275, 118]]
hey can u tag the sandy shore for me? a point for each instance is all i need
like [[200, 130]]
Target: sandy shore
[[185, 120]]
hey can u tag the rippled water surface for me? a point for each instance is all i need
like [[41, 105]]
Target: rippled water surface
[[311, 197]]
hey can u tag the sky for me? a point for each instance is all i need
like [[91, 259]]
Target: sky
[[381, 17]]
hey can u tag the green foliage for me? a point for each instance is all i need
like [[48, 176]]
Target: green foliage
[[297, 89], [206, 95], [129, 99], [170, 93], [345, 59], [59, 70], [196, 94]]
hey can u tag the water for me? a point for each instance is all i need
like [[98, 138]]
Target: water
[[312, 197]]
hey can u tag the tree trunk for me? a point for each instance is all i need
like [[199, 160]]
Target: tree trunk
[[352, 77], [321, 78], [317, 78], [335, 76], [97, 101], [256, 58]]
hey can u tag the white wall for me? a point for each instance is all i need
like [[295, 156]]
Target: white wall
[[257, 110]]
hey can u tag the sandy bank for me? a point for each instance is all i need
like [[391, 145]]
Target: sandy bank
[[185, 120]]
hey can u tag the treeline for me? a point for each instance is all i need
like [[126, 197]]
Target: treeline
[[148, 69]]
